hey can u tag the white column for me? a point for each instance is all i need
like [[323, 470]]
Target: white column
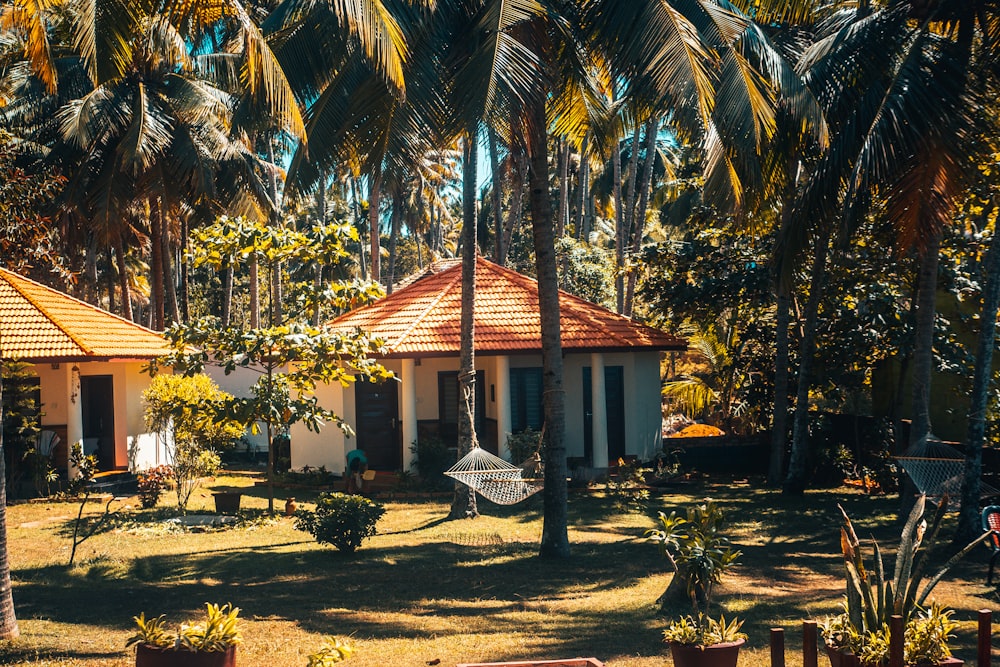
[[502, 390], [408, 409], [599, 411], [74, 416]]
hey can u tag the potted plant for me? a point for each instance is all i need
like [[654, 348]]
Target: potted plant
[[860, 635], [699, 555], [211, 643]]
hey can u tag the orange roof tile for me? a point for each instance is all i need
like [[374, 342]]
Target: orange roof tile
[[422, 317], [38, 323]]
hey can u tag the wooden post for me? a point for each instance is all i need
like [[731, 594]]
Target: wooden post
[[896, 641], [777, 647], [809, 657], [983, 643]]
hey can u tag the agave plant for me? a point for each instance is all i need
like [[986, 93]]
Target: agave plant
[[873, 598]]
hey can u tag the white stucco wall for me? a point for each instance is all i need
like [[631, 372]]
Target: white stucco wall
[[238, 383], [330, 445], [641, 377], [128, 383]]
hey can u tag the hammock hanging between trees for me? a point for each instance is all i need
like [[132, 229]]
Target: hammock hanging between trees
[[493, 478], [937, 470]]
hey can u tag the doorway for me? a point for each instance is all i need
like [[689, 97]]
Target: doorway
[[614, 398], [378, 428], [97, 405]]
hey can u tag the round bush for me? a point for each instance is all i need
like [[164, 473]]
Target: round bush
[[341, 520]]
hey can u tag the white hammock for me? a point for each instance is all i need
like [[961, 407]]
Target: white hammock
[[495, 479], [937, 470]]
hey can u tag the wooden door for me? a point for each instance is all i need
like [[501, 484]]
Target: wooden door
[[378, 428]]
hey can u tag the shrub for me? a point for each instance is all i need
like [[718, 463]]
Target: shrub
[[433, 458], [152, 483], [180, 404], [341, 520], [523, 445], [85, 464]]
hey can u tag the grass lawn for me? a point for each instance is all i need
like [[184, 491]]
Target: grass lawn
[[425, 589]]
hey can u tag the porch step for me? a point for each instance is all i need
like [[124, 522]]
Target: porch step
[[115, 482]]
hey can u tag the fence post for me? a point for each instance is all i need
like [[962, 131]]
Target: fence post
[[983, 642], [809, 657], [896, 641], [777, 647]]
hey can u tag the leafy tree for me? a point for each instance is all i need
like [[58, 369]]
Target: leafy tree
[[292, 356]]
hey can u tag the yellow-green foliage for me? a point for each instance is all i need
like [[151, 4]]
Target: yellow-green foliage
[[182, 403], [216, 633], [333, 650]]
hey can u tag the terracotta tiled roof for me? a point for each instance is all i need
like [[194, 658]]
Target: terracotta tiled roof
[[422, 317], [38, 323]]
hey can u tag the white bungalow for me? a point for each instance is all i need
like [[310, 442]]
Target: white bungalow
[[611, 374], [89, 368]]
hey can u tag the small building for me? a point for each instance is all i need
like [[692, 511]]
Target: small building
[[89, 368], [611, 374]]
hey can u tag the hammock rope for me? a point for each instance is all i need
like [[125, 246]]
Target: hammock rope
[[937, 470], [493, 478]]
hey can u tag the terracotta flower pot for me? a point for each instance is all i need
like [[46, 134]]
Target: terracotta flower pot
[[227, 502], [840, 659], [152, 656], [716, 655]]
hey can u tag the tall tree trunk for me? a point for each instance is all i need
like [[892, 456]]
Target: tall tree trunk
[[639, 219], [171, 310], [563, 216], [8, 622], [491, 138], [185, 276], [394, 224], [373, 225], [923, 348], [516, 206], [254, 291], [156, 264], [227, 295], [795, 481], [356, 207], [630, 175], [584, 177], [463, 505], [555, 537], [92, 287], [616, 191], [276, 310], [779, 425], [123, 279], [109, 279], [969, 526]]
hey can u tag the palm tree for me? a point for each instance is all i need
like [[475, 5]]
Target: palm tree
[[899, 83], [8, 622]]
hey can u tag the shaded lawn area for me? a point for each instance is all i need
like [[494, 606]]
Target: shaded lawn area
[[426, 589]]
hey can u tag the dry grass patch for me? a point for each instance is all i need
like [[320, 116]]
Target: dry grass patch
[[426, 589]]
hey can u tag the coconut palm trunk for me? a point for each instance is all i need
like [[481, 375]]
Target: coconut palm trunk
[[463, 505], [779, 424], [8, 622], [969, 526], [795, 481], [923, 348], [555, 538]]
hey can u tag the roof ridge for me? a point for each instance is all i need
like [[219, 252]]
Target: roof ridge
[[578, 305], [41, 309], [70, 297], [441, 294]]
